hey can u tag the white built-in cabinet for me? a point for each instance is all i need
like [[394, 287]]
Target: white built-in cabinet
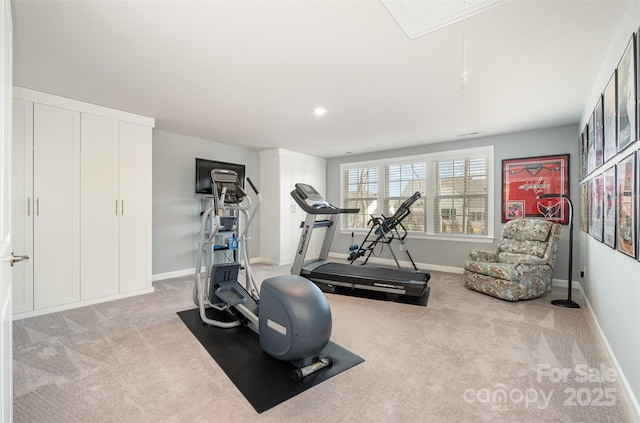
[[115, 202], [46, 205], [280, 216], [81, 203]]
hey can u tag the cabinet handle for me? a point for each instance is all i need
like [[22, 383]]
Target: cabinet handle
[[28, 206], [37, 206], [17, 259], [122, 208]]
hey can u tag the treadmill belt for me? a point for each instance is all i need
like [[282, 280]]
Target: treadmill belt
[[370, 272], [373, 282]]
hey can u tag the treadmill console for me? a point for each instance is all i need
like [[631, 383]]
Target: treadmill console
[[311, 201]]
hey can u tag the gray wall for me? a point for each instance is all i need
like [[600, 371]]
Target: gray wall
[[558, 140], [176, 208], [612, 279]]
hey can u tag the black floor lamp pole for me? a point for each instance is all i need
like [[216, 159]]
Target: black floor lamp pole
[[569, 303]]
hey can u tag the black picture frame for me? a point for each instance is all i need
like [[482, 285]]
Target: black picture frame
[[598, 133], [584, 153], [626, 94], [609, 214], [584, 207], [596, 204], [610, 121], [626, 205], [591, 138]]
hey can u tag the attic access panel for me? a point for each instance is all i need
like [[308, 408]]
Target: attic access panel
[[417, 18]]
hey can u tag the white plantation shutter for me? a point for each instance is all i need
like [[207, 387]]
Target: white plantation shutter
[[360, 191], [401, 182], [454, 187], [461, 198]]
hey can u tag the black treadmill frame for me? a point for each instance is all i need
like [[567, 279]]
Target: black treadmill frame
[[392, 282]]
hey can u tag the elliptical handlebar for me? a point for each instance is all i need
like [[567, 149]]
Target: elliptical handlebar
[[252, 186]]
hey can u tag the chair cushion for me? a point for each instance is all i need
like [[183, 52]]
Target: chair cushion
[[483, 255], [517, 246], [504, 271], [499, 288], [525, 236], [527, 229]]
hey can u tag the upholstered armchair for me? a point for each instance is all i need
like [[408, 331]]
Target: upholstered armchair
[[521, 267]]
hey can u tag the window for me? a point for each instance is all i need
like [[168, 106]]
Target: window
[[455, 187], [461, 196]]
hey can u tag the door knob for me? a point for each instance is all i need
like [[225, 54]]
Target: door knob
[[17, 259]]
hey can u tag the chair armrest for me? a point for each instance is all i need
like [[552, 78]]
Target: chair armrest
[[483, 255], [516, 259]]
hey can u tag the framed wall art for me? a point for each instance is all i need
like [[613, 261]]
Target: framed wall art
[[591, 135], [598, 131], [625, 192], [524, 179], [610, 124], [609, 236], [626, 93], [584, 153], [595, 207], [584, 206]]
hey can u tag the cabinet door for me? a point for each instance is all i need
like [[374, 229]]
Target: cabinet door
[[135, 213], [100, 206], [57, 206], [22, 203]]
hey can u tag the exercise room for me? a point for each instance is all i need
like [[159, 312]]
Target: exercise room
[[322, 211]]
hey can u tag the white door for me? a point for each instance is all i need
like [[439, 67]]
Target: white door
[[135, 207], [100, 206], [6, 414], [22, 199], [56, 174]]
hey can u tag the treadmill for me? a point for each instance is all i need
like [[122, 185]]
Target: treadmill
[[401, 285]]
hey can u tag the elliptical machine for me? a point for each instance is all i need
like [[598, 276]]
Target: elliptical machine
[[289, 313]]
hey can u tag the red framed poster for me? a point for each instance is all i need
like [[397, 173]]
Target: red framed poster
[[524, 179]]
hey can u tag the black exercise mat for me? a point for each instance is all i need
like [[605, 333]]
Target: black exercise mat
[[264, 381]]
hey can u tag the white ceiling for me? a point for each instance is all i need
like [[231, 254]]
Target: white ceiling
[[250, 73]]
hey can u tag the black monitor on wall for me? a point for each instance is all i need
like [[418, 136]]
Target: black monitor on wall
[[203, 173]]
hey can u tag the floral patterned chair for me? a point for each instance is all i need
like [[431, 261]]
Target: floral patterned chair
[[521, 267]]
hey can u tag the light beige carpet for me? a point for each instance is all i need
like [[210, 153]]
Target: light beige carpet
[[466, 357]]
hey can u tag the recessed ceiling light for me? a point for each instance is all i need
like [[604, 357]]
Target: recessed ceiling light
[[320, 111]]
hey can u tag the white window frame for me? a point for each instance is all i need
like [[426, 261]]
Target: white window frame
[[430, 191]]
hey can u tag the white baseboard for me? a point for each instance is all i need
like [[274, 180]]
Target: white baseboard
[[270, 262], [192, 271], [174, 274], [405, 264], [626, 387], [83, 303], [562, 283]]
